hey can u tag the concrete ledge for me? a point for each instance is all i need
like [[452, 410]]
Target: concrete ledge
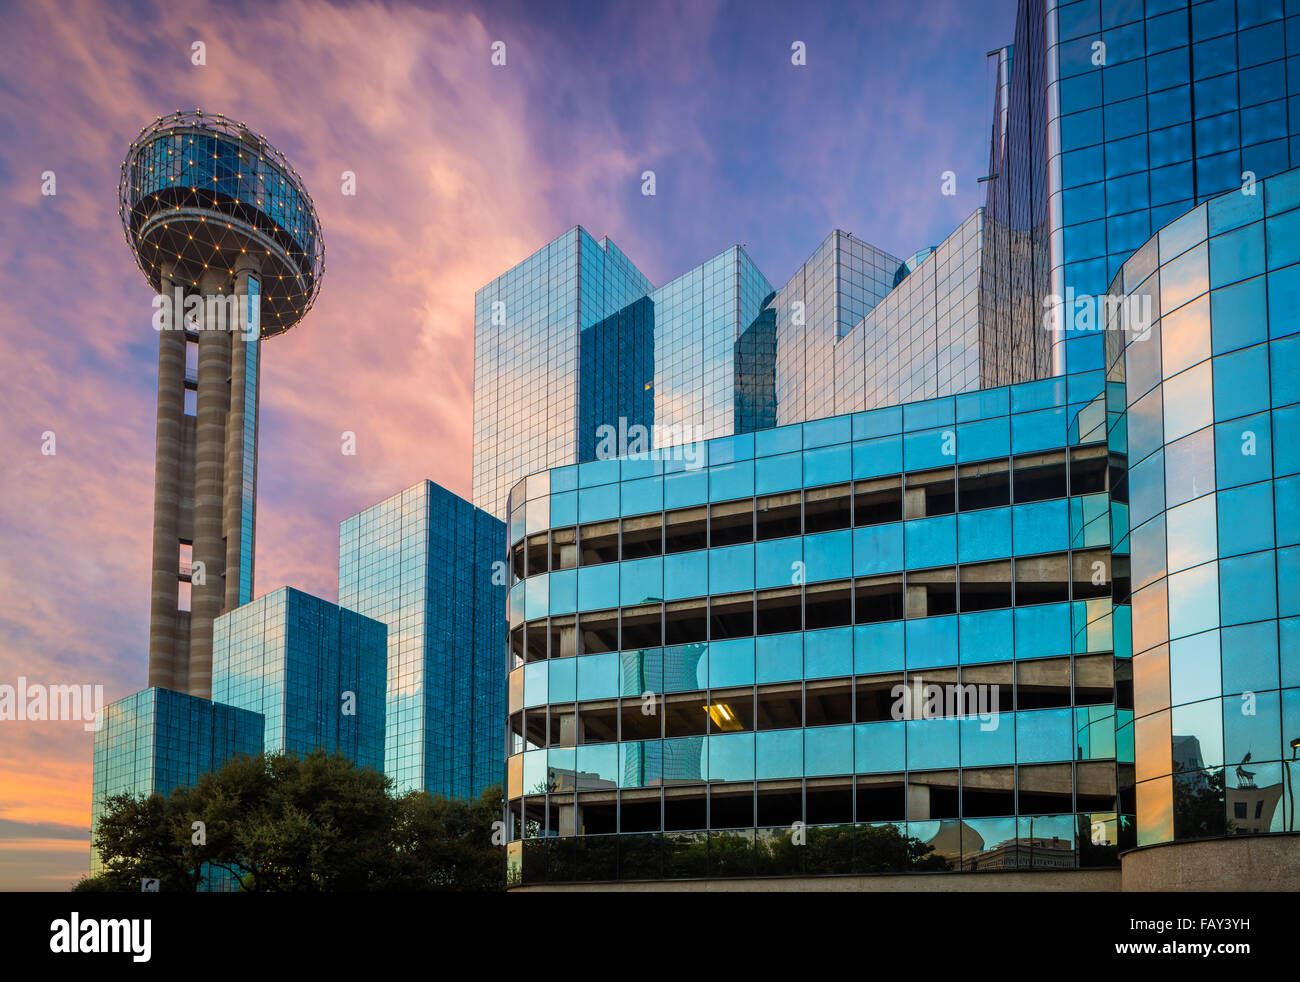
[[1255, 863], [1012, 881]]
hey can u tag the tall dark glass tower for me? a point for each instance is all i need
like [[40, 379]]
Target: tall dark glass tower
[[430, 566]]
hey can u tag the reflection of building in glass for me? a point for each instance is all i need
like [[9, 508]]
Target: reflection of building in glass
[[682, 760], [559, 781], [1053, 853], [1251, 809], [1187, 754], [949, 839], [681, 666]]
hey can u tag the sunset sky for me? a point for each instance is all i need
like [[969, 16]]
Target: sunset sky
[[462, 169]]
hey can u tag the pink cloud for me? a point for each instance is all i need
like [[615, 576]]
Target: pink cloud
[[447, 197]]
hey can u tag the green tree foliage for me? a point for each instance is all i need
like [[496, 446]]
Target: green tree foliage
[[149, 837], [445, 844], [284, 823]]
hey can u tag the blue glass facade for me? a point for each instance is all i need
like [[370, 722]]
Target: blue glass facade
[[156, 740], [313, 670], [1016, 275], [715, 660], [819, 306], [1211, 391], [717, 351], [754, 356], [1122, 115], [703, 657], [561, 340], [575, 340], [700, 318], [1048, 613], [616, 359], [428, 565], [923, 339]]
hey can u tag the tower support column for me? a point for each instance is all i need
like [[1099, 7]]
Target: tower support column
[[208, 598], [241, 439], [165, 586]]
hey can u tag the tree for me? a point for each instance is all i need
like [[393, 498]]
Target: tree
[[280, 823], [445, 843], [147, 837], [287, 823]]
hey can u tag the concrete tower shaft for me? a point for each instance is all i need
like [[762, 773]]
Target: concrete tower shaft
[[169, 628]]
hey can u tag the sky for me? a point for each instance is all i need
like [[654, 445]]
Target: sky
[[463, 168]]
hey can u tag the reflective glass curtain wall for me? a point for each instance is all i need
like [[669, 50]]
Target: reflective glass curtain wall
[[314, 670], [700, 319], [1015, 272], [767, 603], [1213, 422], [425, 563], [923, 339], [1152, 108], [157, 740], [820, 304], [575, 339], [544, 358]]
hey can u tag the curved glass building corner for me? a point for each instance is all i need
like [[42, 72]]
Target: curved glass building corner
[[1206, 347]]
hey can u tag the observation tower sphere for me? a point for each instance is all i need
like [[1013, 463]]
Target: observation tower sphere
[[199, 190]]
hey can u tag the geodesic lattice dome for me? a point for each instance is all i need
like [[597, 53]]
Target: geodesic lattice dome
[[198, 190]]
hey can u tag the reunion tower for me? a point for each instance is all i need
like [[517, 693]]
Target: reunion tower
[[227, 235]]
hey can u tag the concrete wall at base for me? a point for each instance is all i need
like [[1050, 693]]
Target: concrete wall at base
[[1015, 881], [1248, 862]]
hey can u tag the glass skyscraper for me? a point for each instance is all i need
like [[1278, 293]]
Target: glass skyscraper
[[700, 319], [314, 670], [817, 308], [549, 358], [1121, 115], [923, 339], [575, 342], [982, 559], [430, 566], [284, 665], [716, 351], [157, 740]]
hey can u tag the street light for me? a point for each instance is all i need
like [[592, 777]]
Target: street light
[[1290, 783]]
